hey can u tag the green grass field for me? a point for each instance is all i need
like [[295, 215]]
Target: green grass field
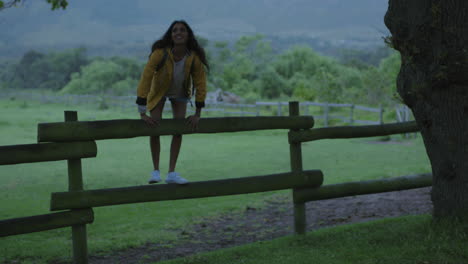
[[25, 189], [404, 240]]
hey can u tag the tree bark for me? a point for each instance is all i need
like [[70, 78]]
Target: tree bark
[[432, 37]]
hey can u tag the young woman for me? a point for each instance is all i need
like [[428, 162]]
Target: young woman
[[177, 62]]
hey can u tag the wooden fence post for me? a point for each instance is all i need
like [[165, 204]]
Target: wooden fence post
[[280, 112], [296, 166], [351, 116], [75, 183]]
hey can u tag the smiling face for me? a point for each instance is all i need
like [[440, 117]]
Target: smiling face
[[179, 34]]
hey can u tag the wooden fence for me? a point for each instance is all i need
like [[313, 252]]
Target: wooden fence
[[73, 140], [303, 195]]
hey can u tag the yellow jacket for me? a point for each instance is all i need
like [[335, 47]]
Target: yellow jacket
[[194, 72]]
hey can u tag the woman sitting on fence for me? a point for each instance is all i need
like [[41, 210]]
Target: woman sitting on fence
[[176, 63]]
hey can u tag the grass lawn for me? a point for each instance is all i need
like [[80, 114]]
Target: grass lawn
[[25, 189], [404, 240]]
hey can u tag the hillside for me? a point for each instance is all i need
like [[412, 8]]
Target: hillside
[[134, 23]]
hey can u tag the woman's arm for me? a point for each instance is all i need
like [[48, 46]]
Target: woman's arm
[[145, 81], [199, 81]]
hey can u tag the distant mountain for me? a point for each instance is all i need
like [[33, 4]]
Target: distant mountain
[[357, 23]]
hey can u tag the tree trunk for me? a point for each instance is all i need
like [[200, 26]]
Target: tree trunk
[[432, 37]]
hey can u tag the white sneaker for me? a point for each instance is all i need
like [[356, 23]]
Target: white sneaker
[[174, 177], [155, 177]]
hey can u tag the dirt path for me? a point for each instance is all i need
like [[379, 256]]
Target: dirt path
[[275, 220]]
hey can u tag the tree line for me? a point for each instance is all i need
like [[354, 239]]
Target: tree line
[[249, 67]]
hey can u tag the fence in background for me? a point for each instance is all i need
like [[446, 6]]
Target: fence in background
[[325, 112]]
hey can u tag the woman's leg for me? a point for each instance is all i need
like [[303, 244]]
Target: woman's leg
[[178, 111], [155, 144]]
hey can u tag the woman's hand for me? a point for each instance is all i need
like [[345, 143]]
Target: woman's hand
[[148, 120], [192, 121]]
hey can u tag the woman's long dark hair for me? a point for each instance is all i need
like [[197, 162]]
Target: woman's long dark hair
[[192, 43]]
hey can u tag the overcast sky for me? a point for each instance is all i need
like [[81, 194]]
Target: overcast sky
[[92, 22]]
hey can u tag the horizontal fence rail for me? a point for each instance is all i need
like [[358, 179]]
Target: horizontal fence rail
[[352, 131], [28, 153], [139, 194], [369, 109], [45, 222], [127, 128], [362, 187]]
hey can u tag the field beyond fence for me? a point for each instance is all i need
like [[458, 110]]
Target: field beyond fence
[[325, 113]]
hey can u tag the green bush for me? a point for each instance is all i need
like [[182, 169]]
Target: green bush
[[102, 77], [50, 71]]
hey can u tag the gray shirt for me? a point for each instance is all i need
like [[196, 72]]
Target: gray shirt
[[177, 90]]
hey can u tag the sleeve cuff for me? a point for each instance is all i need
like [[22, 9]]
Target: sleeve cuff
[[200, 104], [140, 101]]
